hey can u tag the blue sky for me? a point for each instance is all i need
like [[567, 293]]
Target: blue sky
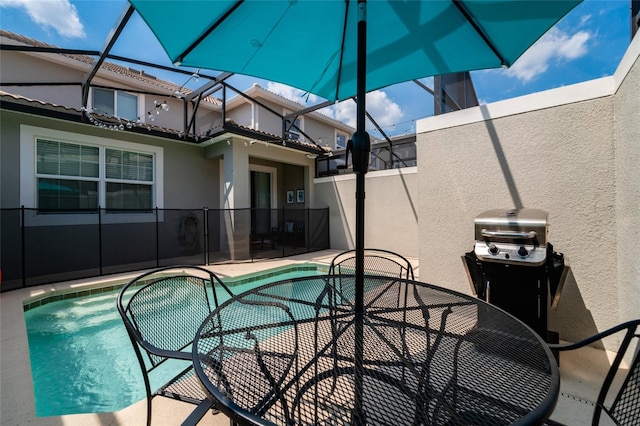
[[587, 44]]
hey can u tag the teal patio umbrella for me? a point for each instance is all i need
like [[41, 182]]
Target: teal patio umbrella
[[338, 49]]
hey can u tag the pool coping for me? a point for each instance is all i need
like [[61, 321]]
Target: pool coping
[[108, 286]]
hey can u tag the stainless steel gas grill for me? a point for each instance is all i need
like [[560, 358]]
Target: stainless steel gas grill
[[514, 267], [512, 236]]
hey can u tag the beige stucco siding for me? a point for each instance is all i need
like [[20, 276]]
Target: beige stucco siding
[[391, 216], [571, 151], [16, 67], [627, 148], [556, 159]]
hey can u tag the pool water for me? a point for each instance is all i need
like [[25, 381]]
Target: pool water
[[82, 360]]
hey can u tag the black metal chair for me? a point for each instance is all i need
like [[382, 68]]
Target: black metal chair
[[340, 295], [162, 311], [376, 262], [625, 408]]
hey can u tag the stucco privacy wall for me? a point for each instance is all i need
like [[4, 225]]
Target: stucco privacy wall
[[571, 151], [626, 106], [391, 217]]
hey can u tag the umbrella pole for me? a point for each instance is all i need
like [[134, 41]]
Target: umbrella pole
[[361, 151], [360, 156]]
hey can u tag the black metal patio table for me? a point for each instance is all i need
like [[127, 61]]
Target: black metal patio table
[[295, 353]]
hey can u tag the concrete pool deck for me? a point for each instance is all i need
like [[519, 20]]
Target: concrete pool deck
[[581, 371]]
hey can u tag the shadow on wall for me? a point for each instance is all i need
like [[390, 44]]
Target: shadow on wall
[[502, 159], [572, 317]]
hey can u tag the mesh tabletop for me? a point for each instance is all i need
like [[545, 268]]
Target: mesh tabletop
[[296, 353]]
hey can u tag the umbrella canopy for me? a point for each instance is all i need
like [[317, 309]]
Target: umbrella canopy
[[312, 44], [342, 48]]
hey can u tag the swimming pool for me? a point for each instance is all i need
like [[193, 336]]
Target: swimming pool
[[81, 358]]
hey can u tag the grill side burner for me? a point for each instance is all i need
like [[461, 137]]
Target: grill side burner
[[514, 267]]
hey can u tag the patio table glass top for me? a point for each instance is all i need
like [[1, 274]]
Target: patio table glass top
[[295, 352]]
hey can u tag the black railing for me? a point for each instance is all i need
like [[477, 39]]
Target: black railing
[[39, 248], [384, 155]]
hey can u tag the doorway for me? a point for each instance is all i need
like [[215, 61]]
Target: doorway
[[260, 202]]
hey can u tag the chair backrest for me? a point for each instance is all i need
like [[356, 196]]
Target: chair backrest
[[376, 262], [163, 309], [625, 408]]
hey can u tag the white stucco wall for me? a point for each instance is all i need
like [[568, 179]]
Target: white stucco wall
[[627, 148], [571, 151], [391, 217]]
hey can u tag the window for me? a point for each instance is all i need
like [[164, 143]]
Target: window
[[293, 126], [116, 103], [129, 178], [69, 177], [341, 140]]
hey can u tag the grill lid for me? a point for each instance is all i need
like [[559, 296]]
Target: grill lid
[[513, 226], [512, 236]]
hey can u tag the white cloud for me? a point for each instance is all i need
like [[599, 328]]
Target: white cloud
[[584, 19], [553, 46], [291, 93], [383, 110], [60, 15], [574, 47]]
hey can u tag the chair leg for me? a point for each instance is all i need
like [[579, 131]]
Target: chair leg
[[149, 399], [198, 413]]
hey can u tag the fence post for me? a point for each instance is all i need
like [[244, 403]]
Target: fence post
[[24, 251], [100, 238], [251, 212], [205, 228], [306, 227], [157, 240], [283, 234], [328, 229]]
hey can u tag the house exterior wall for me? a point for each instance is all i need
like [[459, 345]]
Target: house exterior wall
[[16, 67], [242, 115], [268, 121], [559, 151], [391, 218], [324, 134], [290, 166], [190, 180]]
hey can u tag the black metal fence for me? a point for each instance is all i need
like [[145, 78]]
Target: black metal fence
[[39, 248]]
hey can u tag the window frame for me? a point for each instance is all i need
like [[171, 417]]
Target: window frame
[[64, 177], [29, 176], [106, 179], [114, 92], [346, 138], [292, 130]]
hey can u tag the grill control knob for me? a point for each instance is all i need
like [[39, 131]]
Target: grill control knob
[[493, 249], [523, 252]]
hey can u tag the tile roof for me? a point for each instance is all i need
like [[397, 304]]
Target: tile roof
[[22, 103], [139, 75]]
